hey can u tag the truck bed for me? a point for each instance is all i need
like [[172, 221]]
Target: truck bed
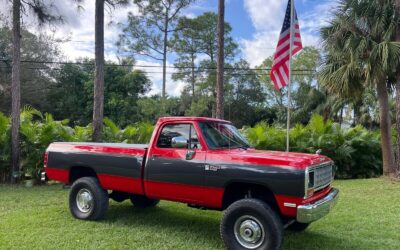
[[108, 144], [118, 166]]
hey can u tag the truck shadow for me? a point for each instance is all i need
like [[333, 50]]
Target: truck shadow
[[315, 240], [203, 226], [177, 221]]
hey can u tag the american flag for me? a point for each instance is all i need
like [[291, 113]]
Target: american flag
[[280, 67]]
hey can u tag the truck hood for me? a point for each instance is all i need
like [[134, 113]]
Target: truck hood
[[273, 158]]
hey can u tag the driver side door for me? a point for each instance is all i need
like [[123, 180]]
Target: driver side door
[[176, 173]]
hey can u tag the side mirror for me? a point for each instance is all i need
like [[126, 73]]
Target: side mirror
[[179, 142]]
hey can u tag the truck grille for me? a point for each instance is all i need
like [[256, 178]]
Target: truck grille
[[322, 175]]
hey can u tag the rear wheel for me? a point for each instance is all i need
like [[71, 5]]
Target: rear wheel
[[87, 199], [251, 224], [143, 201]]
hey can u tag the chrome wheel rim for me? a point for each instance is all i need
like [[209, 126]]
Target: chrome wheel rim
[[249, 232], [84, 200]]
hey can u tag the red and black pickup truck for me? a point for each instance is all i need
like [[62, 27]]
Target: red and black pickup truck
[[205, 163]]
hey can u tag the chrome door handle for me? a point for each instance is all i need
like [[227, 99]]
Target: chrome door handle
[[190, 154]]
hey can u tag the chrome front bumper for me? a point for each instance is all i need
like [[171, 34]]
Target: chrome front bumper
[[314, 211]]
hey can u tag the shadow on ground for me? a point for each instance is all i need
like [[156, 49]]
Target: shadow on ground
[[310, 239], [194, 223], [204, 222]]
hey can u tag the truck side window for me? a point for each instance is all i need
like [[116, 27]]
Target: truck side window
[[174, 130]]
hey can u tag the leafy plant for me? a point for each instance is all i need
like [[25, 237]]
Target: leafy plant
[[355, 151], [136, 133], [37, 132], [4, 147]]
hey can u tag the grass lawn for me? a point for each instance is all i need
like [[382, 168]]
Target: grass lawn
[[367, 217]]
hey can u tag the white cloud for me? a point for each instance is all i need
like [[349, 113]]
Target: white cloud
[[318, 17], [261, 46], [268, 18], [79, 27], [265, 16], [154, 72]]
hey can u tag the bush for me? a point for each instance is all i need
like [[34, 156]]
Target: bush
[[137, 133], [4, 147], [38, 131], [355, 151]]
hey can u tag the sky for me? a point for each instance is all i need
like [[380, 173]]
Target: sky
[[255, 27]]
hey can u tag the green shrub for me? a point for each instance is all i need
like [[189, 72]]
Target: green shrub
[[38, 131], [356, 151], [4, 147], [136, 133]]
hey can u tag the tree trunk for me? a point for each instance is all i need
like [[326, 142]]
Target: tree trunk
[[98, 96], [397, 86], [193, 79], [165, 45], [15, 91], [341, 117], [397, 8], [357, 112], [219, 112], [386, 133]]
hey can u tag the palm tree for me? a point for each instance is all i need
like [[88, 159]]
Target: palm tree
[[311, 100], [360, 52]]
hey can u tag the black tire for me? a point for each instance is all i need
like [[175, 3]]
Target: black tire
[[298, 227], [251, 214], [96, 197], [142, 201]]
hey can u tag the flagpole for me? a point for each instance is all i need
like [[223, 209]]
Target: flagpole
[[290, 73]]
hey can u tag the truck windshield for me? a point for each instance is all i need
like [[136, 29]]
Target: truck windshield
[[222, 135]]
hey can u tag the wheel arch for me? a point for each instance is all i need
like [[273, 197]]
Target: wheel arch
[[236, 190], [76, 172]]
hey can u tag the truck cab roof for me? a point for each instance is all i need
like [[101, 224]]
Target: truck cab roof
[[190, 118]]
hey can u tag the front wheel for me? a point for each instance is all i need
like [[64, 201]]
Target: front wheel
[[87, 199], [251, 224]]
